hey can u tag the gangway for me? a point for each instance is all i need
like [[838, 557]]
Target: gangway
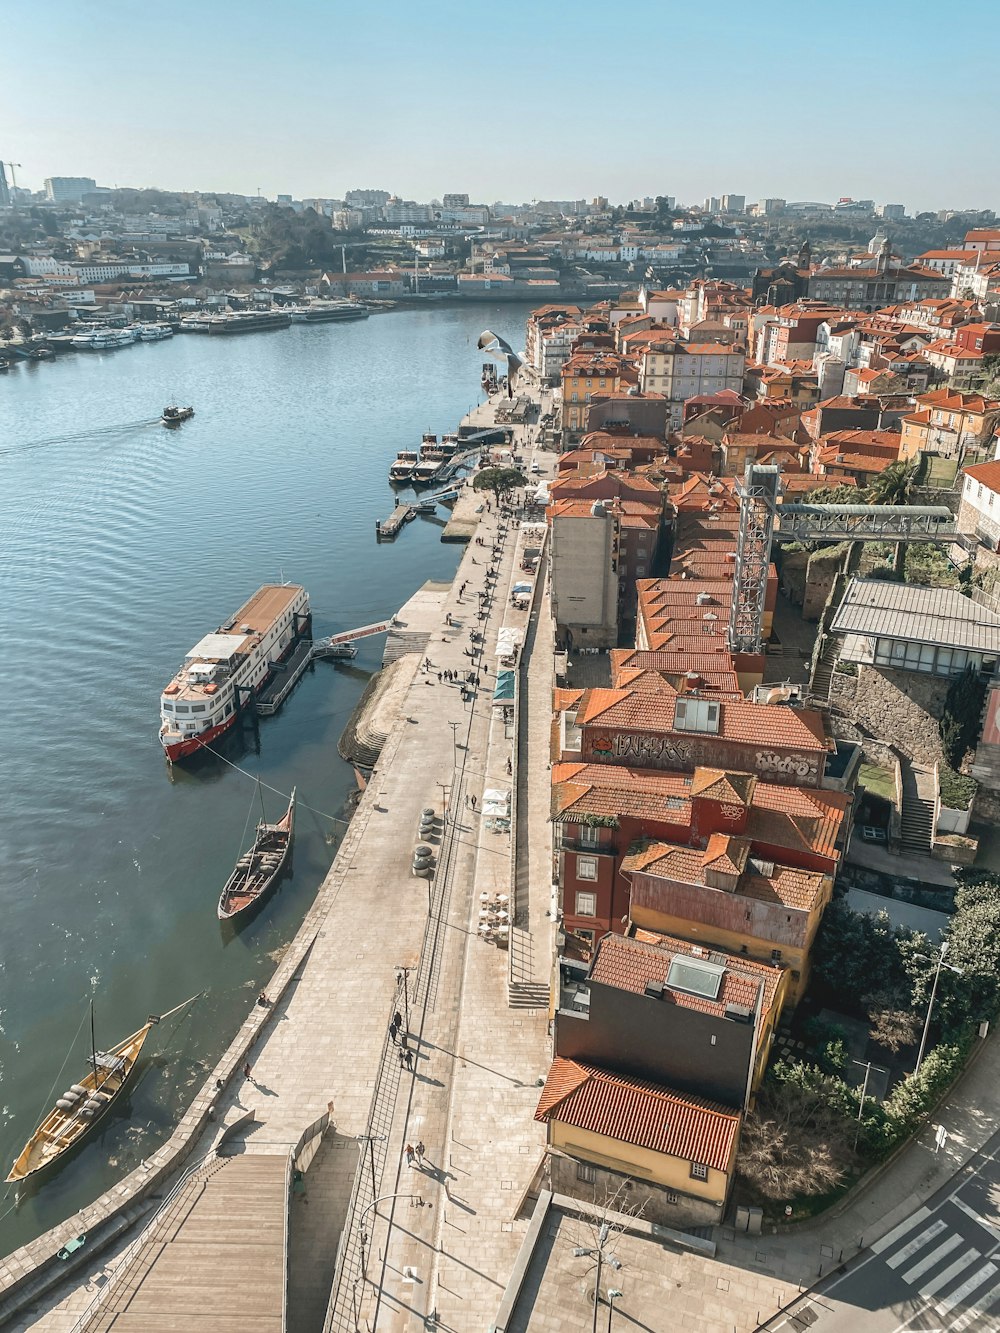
[[336, 645]]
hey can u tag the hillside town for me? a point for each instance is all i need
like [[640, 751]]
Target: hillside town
[[737, 765]]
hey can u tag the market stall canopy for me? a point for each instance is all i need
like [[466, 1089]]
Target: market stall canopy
[[496, 803], [503, 691], [509, 639]]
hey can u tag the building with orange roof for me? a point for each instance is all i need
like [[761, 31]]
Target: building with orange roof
[[697, 1020], [584, 374], [860, 455], [605, 1129], [979, 510], [728, 898], [949, 422], [681, 370], [629, 410], [738, 449], [662, 730]]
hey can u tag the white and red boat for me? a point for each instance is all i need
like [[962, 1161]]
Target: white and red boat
[[222, 672]]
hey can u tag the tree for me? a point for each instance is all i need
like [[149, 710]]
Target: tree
[[797, 1140], [500, 480], [894, 487], [894, 1022], [960, 720]]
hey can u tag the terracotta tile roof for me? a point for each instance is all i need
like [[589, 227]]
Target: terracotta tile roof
[[610, 789], [726, 854], [635, 1111], [793, 888], [630, 962], [954, 401], [754, 724], [804, 819], [718, 785], [986, 474]]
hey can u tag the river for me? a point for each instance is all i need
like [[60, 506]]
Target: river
[[121, 544]]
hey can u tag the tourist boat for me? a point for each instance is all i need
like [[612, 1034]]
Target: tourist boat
[[402, 469], [323, 312], [257, 871], [223, 670], [173, 416], [85, 1104], [152, 333]]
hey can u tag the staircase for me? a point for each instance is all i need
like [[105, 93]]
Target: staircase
[[400, 641], [826, 663], [917, 827]]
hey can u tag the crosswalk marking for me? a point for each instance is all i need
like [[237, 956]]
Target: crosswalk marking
[[966, 1289], [935, 1257], [908, 1224], [979, 1221], [918, 1243], [951, 1272], [973, 1313]]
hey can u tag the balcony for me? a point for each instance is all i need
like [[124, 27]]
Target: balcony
[[568, 844]]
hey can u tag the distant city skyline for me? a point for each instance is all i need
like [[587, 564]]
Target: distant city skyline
[[514, 103]]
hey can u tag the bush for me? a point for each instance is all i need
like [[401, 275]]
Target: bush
[[957, 790], [963, 707]]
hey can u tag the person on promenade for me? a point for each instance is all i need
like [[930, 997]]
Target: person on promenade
[[248, 1071], [397, 1020], [407, 1058], [420, 1152], [410, 1154], [473, 803]]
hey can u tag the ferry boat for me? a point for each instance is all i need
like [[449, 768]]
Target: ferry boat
[[402, 469], [322, 312], [153, 333], [103, 340], [435, 458], [222, 670]]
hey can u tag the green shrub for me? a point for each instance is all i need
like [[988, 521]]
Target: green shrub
[[957, 790]]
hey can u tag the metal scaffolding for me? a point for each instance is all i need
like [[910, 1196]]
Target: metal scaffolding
[[763, 521], [758, 496]]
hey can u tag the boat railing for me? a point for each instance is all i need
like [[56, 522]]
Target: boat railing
[[133, 1248]]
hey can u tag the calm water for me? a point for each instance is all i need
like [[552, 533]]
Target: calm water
[[121, 543]]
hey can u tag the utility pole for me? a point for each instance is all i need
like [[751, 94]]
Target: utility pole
[[403, 979], [930, 1006]]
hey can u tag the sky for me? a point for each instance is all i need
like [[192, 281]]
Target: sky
[[511, 100]]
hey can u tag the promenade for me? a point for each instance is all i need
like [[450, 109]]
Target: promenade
[[386, 939]]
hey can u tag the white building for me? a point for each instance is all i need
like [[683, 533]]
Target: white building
[[680, 371]]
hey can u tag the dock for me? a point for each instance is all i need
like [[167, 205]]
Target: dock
[[390, 527], [286, 674]]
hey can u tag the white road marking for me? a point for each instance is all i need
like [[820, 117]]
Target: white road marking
[[935, 1257], [966, 1289], [906, 1225], [950, 1273], [979, 1221], [917, 1243], [974, 1311]]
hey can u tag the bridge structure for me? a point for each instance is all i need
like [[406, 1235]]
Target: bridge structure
[[763, 521], [345, 638]]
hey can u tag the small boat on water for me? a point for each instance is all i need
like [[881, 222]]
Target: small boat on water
[[401, 469], [83, 1105], [173, 416], [258, 870]]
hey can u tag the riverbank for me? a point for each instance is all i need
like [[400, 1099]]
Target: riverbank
[[370, 916]]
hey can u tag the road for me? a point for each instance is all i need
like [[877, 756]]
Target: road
[[938, 1269]]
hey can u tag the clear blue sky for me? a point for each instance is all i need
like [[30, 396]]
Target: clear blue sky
[[511, 100]]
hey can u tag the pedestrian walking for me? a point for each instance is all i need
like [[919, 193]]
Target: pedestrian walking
[[473, 803], [397, 1020], [402, 1059], [410, 1154], [439, 677], [420, 1151], [248, 1071], [403, 1041], [394, 1028], [408, 1059]]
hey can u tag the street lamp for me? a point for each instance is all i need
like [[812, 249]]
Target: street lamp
[[930, 1005], [364, 1233], [454, 743], [613, 1295], [402, 980], [598, 1254]]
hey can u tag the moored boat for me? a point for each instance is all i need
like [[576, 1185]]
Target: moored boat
[[173, 416], [84, 1105], [257, 871], [402, 469], [223, 670]]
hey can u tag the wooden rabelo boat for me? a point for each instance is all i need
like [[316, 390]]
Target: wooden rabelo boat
[[84, 1105], [258, 870]]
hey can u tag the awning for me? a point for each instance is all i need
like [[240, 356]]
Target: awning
[[521, 587], [496, 802], [509, 639], [504, 688]]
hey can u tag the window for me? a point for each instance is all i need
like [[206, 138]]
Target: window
[[182, 708], [775, 955], [586, 1173], [586, 867], [198, 708], [673, 1196], [699, 1171], [590, 837], [586, 904]]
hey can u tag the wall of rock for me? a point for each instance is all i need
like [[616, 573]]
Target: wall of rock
[[901, 706]]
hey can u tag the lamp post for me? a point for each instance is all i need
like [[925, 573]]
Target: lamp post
[[402, 979], [597, 1253], [868, 1066], [454, 743], [371, 1140], [613, 1295], [930, 1005], [364, 1234]]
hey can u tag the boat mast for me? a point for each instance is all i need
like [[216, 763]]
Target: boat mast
[[93, 1042], [260, 793]]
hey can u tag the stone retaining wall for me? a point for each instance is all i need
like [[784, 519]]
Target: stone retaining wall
[[903, 705]]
